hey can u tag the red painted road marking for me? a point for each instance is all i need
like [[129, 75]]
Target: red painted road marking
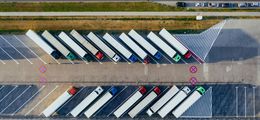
[[43, 80], [193, 81], [193, 69], [43, 69]]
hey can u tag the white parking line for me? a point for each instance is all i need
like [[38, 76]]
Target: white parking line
[[83, 59], [28, 100], [184, 61], [245, 101], [2, 61], [166, 58], [9, 55], [71, 61], [196, 59], [29, 49], [153, 59], [123, 102], [2, 87], [70, 99], [110, 101], [8, 93], [15, 99], [54, 59], [16, 49], [236, 102], [254, 101], [41, 100]]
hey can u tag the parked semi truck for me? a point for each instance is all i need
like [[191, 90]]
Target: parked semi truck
[[175, 43], [130, 102], [59, 102], [163, 100], [120, 48], [176, 100], [86, 102], [102, 101], [165, 47], [56, 43], [41, 43], [146, 101], [74, 46], [145, 44], [187, 103], [99, 55], [103, 46], [132, 45]]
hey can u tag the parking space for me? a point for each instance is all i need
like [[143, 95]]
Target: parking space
[[234, 100], [14, 98]]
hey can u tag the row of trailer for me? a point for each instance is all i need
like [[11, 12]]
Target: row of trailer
[[174, 100], [131, 46]]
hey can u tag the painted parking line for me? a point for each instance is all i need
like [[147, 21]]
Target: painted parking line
[[29, 49], [15, 99], [184, 61], [123, 102], [254, 101], [28, 100], [236, 101], [245, 102], [16, 49], [9, 55], [8, 93], [196, 59], [83, 59], [41, 101], [166, 58], [2, 61], [2, 87], [153, 59], [70, 99], [110, 101]]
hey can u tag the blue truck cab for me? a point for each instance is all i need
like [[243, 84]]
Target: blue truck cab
[[158, 56], [133, 58], [113, 91]]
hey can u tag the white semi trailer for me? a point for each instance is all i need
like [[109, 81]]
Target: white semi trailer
[[103, 46], [175, 43], [187, 103], [119, 47], [102, 101], [146, 101], [99, 55], [132, 45], [86, 102], [55, 43], [165, 47], [145, 44], [59, 102], [41, 43], [163, 100], [74, 46], [176, 100], [130, 102]]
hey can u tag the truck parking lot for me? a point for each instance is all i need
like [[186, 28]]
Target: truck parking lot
[[240, 101]]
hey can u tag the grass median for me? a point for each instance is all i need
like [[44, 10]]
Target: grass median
[[177, 24]]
